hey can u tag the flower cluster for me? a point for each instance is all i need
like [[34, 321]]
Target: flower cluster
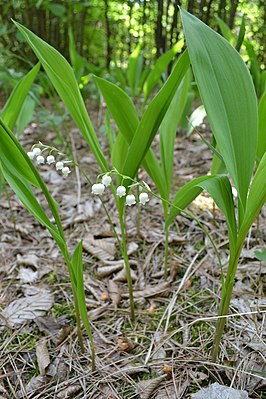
[[99, 188], [37, 153]]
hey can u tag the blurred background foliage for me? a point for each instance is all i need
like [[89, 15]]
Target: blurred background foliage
[[105, 31]]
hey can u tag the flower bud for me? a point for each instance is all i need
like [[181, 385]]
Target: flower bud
[[143, 198], [106, 180], [50, 159], [31, 154], [121, 191], [36, 151], [66, 171], [98, 189], [39, 159], [59, 165], [130, 199]]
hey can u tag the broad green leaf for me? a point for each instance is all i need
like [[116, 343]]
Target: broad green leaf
[[134, 69], [226, 31], [120, 148], [126, 118], [16, 162], [261, 255], [159, 68], [241, 35], [256, 198], [187, 110], [15, 102], [77, 268], [168, 130], [229, 98], [254, 63], [77, 61], [153, 117], [184, 197], [219, 189], [25, 194], [63, 79], [262, 128], [196, 118], [25, 115]]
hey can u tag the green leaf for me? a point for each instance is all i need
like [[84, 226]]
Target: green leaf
[[241, 35], [153, 117], [256, 198], [78, 271], [159, 68], [25, 115], [134, 69], [119, 150], [126, 118], [63, 79], [168, 130], [226, 31], [16, 99], [261, 255], [196, 118], [219, 189], [262, 128], [16, 163], [229, 98]]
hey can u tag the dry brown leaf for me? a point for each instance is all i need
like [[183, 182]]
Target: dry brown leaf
[[122, 276], [33, 386], [105, 271], [95, 314], [27, 275], [150, 291], [114, 293], [125, 344], [69, 391], [36, 302], [28, 259], [104, 249], [43, 357], [146, 388], [58, 331]]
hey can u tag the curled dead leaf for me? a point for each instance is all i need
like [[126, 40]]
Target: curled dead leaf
[[114, 293], [43, 357]]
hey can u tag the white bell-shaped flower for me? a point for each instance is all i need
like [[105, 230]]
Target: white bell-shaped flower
[[59, 165], [143, 198], [130, 199], [106, 180], [31, 154], [121, 191], [50, 159], [40, 159], [97, 188], [66, 171], [36, 151]]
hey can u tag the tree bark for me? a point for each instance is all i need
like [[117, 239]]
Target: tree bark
[[108, 35], [232, 13], [160, 42]]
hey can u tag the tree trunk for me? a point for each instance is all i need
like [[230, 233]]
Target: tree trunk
[[232, 14], [174, 31], [160, 45], [108, 35], [221, 10]]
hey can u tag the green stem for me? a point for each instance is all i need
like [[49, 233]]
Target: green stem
[[166, 252], [126, 261], [9, 203], [227, 290]]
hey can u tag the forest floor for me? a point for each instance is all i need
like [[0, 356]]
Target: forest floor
[[165, 353]]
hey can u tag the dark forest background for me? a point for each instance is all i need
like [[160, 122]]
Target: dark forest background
[[107, 31]]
